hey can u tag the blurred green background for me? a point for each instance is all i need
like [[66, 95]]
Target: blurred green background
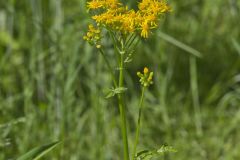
[[52, 82]]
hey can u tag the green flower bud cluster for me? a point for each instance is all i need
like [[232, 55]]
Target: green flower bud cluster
[[145, 77]]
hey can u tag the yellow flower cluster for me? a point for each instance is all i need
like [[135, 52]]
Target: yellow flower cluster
[[145, 77], [115, 16], [93, 36]]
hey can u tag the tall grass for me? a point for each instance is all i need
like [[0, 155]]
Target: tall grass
[[52, 83]]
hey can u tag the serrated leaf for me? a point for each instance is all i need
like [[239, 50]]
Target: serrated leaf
[[38, 152]]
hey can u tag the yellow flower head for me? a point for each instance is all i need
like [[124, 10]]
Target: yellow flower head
[[115, 16]]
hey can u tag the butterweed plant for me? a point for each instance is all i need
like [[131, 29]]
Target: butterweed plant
[[125, 27]]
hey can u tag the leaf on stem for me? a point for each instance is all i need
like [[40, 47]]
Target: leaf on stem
[[113, 91], [128, 59], [149, 154]]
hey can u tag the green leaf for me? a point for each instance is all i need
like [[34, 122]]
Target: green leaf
[[128, 60], [120, 90], [144, 155], [112, 92], [166, 149], [38, 152], [149, 154]]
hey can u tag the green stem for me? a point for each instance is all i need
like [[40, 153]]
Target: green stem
[[122, 109], [138, 124], [109, 67]]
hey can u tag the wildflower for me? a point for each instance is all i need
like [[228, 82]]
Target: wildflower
[[117, 17], [145, 77]]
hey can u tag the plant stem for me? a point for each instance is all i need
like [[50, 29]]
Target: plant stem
[[122, 110], [109, 67], [138, 124]]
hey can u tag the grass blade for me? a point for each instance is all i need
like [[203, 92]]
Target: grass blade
[[195, 94], [179, 44], [38, 152]]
